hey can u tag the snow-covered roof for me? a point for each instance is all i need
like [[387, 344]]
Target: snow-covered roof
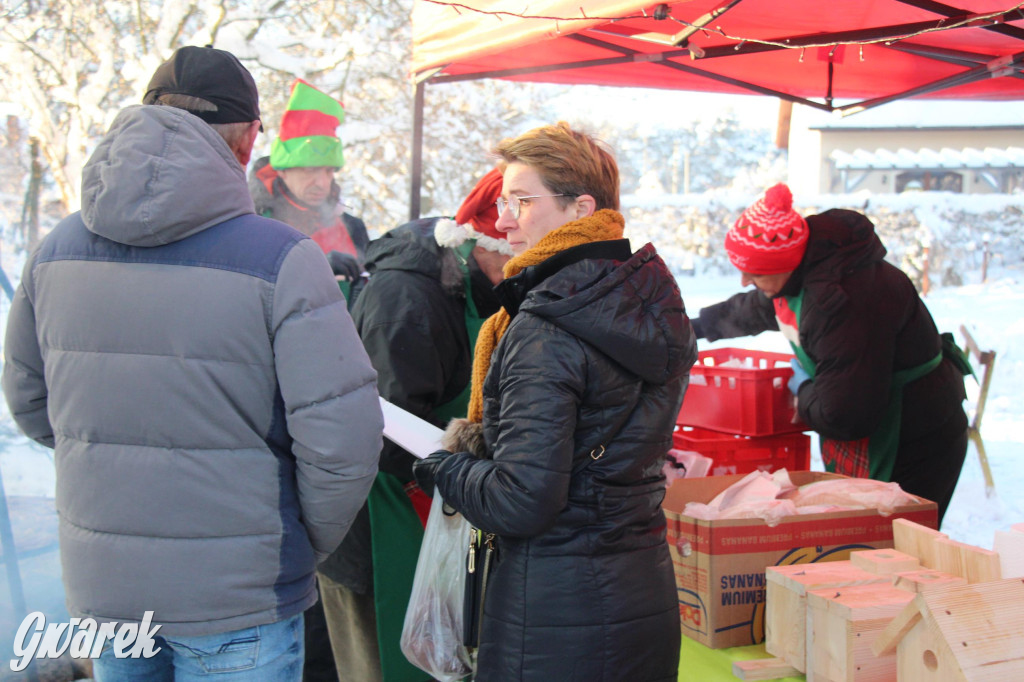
[[921, 114], [968, 157]]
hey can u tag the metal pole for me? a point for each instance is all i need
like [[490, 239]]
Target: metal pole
[[417, 153], [10, 554], [6, 531]]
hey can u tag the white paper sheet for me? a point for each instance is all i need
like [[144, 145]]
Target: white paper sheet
[[409, 431]]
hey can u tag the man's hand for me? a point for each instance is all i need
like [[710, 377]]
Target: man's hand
[[425, 469], [344, 265]]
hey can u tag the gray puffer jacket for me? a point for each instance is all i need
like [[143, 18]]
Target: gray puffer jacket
[[214, 416]]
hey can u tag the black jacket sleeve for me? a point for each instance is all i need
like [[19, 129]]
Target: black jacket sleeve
[[745, 314]]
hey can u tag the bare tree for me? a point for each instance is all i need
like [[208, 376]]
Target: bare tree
[[72, 64]]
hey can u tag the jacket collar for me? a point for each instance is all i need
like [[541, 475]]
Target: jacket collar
[[512, 291]]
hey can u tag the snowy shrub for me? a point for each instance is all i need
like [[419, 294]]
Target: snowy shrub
[[956, 230]]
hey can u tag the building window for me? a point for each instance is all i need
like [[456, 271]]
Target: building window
[[929, 181]]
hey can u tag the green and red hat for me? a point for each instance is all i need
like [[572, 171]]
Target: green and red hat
[[309, 130]]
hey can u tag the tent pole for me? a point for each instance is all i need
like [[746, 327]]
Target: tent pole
[[10, 554], [417, 152], [631, 54], [950, 11], [1003, 66]]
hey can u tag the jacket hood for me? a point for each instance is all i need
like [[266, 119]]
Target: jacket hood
[[841, 241], [632, 312], [159, 175], [411, 247], [261, 184], [846, 238]]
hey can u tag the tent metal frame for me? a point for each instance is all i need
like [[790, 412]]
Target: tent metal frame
[[980, 66]]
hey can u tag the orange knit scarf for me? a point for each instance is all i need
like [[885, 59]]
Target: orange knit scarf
[[604, 225]]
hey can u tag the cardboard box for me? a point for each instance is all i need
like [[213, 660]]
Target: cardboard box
[[720, 565]]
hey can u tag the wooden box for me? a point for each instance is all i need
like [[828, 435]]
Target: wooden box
[[786, 607], [842, 623]]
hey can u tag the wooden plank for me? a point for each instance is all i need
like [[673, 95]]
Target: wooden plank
[[974, 564], [890, 637], [1009, 545], [925, 579], [884, 561], [982, 565], [916, 540], [763, 669], [947, 557]]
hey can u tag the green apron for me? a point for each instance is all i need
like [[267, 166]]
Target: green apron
[[884, 442], [396, 531]]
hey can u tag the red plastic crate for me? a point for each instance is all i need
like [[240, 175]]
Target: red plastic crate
[[749, 400], [734, 454]]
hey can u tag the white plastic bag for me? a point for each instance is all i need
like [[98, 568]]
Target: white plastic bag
[[432, 632], [686, 464]]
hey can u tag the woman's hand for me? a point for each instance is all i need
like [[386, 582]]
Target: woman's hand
[[424, 470]]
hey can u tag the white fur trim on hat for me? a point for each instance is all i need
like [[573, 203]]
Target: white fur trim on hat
[[450, 234]]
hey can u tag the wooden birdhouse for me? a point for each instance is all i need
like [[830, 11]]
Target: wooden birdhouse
[[967, 632], [787, 587], [841, 626]]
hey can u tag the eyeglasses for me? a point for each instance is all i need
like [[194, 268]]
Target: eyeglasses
[[514, 203]]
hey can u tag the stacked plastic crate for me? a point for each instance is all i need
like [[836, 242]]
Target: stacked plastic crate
[[739, 412]]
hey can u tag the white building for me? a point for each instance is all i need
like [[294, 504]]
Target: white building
[[925, 145]]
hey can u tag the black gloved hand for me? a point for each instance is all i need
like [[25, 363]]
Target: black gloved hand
[[697, 327], [344, 265], [424, 470]]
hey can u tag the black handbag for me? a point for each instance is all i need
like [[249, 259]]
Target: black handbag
[[479, 559]]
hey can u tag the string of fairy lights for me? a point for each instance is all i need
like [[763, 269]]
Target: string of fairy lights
[[663, 12]]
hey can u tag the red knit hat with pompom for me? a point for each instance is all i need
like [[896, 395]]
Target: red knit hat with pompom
[[770, 237]]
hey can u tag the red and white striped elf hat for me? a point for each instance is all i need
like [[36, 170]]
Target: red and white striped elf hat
[[770, 237]]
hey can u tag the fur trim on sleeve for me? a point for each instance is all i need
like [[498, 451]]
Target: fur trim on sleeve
[[463, 435]]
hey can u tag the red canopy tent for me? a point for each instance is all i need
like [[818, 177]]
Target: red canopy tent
[[812, 52]]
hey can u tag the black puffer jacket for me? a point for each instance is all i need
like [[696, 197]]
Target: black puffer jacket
[[411, 319], [862, 321], [598, 355]]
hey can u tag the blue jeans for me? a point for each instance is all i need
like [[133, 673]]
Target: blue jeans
[[265, 653]]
